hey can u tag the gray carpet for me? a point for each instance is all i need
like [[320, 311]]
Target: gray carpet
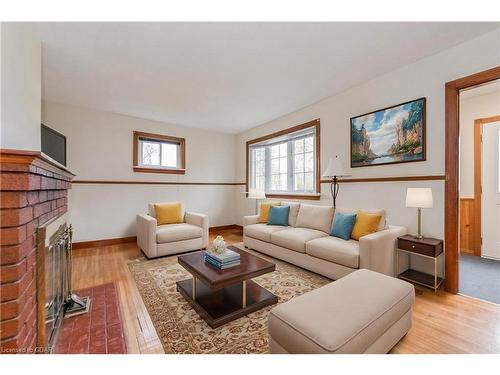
[[480, 278]]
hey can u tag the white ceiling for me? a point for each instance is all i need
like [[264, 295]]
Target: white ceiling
[[227, 76]]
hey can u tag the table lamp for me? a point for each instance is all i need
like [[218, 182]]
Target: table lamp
[[419, 198], [256, 194], [335, 169]]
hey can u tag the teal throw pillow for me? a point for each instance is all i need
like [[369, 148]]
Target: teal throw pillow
[[342, 225], [278, 215]]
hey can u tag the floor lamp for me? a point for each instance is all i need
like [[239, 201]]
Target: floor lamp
[[257, 195], [334, 170]]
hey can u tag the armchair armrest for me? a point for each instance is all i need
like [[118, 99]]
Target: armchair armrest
[[146, 234], [377, 250], [200, 220], [252, 219]]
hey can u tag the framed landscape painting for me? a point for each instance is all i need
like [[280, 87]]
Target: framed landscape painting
[[391, 135]]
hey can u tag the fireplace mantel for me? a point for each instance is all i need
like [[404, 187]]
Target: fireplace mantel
[[33, 191], [31, 160]]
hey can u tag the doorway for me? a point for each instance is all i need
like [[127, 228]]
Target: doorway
[[479, 259], [452, 147]]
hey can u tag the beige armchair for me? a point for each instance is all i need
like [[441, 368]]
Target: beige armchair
[[160, 240]]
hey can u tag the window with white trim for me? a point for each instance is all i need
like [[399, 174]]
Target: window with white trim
[[159, 154], [286, 163], [156, 153]]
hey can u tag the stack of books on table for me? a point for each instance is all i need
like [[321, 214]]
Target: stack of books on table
[[226, 260]]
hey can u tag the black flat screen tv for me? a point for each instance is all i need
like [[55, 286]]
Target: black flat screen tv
[[54, 144]]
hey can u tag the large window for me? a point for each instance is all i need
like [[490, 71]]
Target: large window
[[155, 153], [286, 163]]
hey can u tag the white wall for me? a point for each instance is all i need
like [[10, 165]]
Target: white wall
[[471, 109], [424, 78], [220, 157], [20, 87], [99, 147]]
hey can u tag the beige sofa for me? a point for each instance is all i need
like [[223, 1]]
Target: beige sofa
[[306, 242], [160, 240]]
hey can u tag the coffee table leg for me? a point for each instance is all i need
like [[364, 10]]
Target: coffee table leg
[[244, 294], [194, 288]]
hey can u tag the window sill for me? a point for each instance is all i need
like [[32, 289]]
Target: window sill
[[312, 197], [159, 170]]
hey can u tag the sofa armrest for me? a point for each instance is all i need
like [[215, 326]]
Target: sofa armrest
[[252, 219], [200, 220], [146, 234], [377, 250]]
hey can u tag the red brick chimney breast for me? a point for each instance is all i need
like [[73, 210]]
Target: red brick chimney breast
[[33, 190]]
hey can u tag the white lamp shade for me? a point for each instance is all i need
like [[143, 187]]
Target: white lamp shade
[[419, 197], [256, 194], [335, 168]]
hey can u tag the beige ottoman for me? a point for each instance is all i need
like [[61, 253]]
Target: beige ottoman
[[364, 312]]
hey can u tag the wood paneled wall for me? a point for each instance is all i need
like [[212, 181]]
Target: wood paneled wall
[[470, 233]]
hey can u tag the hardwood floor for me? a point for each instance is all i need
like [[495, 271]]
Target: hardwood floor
[[100, 265], [442, 322]]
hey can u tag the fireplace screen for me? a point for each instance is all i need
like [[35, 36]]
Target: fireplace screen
[[56, 280], [53, 278]]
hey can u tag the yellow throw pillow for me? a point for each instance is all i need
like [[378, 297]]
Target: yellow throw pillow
[[168, 213], [365, 224], [264, 211]]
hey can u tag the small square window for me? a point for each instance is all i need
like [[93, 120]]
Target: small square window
[[156, 153]]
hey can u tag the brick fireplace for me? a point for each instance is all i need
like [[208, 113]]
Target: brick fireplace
[[33, 191]]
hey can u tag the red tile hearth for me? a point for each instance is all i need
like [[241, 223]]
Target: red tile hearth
[[100, 331]]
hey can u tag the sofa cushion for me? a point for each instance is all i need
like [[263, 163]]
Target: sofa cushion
[[335, 250], [278, 215], [177, 232], [294, 211], [315, 217], [295, 238], [261, 231], [345, 316], [264, 211], [342, 225], [383, 221], [365, 224]]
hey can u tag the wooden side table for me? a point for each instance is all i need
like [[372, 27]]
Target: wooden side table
[[430, 248]]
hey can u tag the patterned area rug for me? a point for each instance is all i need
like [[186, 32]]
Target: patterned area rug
[[181, 330]]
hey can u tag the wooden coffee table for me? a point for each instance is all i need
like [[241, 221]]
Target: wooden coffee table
[[221, 296]]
